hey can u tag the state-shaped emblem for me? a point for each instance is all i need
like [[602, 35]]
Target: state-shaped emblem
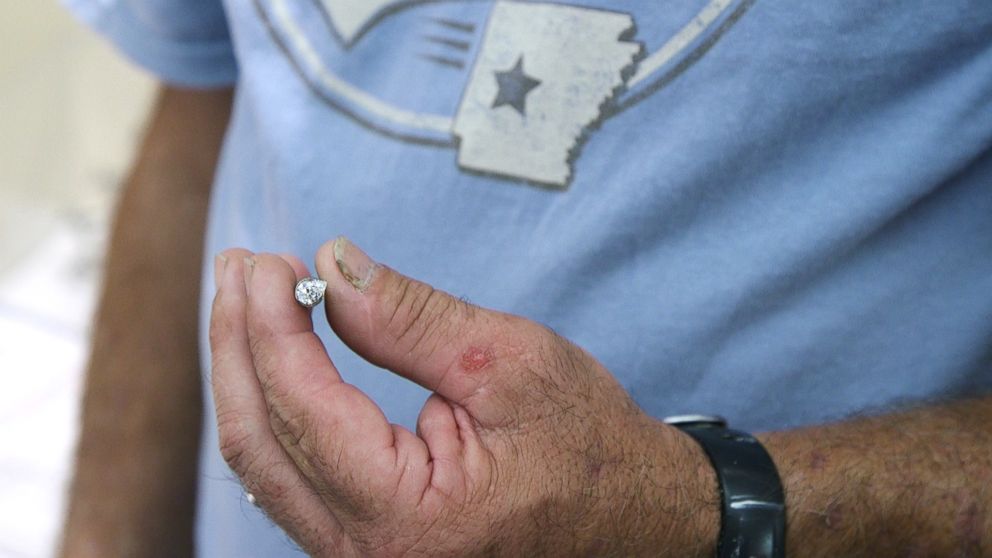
[[514, 86]]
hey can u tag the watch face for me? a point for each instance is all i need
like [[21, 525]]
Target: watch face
[[514, 87]]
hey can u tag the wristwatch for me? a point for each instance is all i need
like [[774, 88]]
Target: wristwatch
[[752, 521]]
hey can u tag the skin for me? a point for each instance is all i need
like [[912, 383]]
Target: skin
[[568, 465], [910, 484], [134, 486], [529, 446]]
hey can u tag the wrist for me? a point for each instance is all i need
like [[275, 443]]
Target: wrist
[[752, 500], [702, 499], [682, 516]]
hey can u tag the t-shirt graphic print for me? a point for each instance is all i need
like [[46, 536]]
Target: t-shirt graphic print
[[515, 88]]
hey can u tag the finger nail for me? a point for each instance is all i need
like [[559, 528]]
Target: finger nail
[[249, 269], [355, 266], [220, 264]]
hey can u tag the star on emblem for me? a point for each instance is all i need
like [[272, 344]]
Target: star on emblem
[[514, 85]]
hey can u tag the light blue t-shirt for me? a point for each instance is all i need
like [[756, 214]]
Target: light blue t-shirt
[[779, 212]]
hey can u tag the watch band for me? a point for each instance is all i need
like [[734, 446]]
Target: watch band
[[753, 502]]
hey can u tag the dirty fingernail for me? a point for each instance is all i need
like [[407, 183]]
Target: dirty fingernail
[[355, 266], [220, 264], [249, 269]]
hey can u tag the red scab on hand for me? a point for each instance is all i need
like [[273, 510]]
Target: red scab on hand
[[476, 358]]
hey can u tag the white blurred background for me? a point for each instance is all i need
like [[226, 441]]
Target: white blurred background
[[70, 114]]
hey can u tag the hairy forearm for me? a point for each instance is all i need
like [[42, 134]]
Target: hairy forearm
[[134, 488], [909, 484]]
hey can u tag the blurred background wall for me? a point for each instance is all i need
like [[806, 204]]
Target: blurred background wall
[[70, 114]]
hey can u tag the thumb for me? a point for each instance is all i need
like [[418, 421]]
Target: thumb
[[445, 344]]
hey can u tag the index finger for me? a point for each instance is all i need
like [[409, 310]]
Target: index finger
[[335, 433], [246, 439]]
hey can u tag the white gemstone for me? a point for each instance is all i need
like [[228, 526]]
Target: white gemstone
[[310, 291]]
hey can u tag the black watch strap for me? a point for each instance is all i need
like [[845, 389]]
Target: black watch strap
[[753, 502]]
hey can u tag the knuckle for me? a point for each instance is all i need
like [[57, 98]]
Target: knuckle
[[234, 440], [420, 316], [268, 361], [407, 300], [310, 443], [293, 431]]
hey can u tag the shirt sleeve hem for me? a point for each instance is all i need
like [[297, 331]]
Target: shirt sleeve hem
[[194, 64]]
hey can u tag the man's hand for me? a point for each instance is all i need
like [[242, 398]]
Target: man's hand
[[527, 447]]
